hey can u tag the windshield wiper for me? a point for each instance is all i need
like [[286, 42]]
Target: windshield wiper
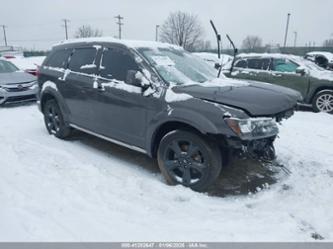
[[218, 38], [235, 53]]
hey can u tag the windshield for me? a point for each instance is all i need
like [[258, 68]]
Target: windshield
[[306, 63], [178, 66], [7, 67]]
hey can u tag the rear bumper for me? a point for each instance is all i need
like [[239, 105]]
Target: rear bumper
[[18, 96]]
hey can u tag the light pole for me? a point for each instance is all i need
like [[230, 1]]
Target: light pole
[[4, 34], [156, 32], [287, 28], [120, 23], [295, 39], [66, 27]]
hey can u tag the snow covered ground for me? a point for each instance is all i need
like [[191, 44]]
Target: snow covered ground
[[90, 190]]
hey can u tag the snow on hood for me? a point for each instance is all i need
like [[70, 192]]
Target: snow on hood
[[25, 63], [171, 96], [16, 78]]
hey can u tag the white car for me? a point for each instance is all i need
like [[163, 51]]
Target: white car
[[322, 59]]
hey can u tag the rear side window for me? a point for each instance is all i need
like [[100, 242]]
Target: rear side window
[[83, 60], [259, 64], [116, 63], [241, 64], [59, 58]]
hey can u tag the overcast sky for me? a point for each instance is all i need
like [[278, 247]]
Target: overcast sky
[[37, 23]]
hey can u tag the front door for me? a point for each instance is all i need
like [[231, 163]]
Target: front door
[[120, 108], [283, 73]]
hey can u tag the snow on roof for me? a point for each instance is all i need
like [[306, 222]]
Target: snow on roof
[[328, 55], [273, 55], [128, 43]]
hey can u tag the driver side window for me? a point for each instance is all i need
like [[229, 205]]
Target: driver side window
[[115, 64], [284, 66]]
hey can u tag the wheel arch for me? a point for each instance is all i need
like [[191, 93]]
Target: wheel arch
[[320, 89], [50, 93], [164, 129]]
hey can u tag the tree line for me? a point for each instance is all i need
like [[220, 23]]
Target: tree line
[[185, 30]]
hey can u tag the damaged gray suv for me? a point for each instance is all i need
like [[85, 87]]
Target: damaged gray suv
[[160, 100]]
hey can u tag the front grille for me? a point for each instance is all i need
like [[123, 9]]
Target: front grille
[[16, 89]]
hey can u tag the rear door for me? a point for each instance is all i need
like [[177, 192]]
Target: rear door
[[283, 73], [78, 83]]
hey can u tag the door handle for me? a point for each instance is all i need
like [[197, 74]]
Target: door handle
[[98, 86]]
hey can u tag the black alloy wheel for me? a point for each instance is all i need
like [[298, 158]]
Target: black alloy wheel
[[188, 159]]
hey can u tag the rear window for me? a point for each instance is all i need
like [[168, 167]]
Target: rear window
[[83, 60], [59, 59]]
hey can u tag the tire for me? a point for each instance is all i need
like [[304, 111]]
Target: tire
[[189, 159], [323, 101], [54, 120]]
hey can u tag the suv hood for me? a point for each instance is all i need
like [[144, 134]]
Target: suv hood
[[16, 78], [257, 99]]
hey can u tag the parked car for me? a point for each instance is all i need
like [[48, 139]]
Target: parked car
[[213, 60], [322, 59], [15, 85], [160, 100], [28, 64], [313, 82]]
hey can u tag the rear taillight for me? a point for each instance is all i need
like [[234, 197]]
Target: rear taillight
[[37, 71], [9, 56]]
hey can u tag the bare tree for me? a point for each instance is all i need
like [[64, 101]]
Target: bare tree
[[182, 29], [328, 43], [87, 31], [251, 42]]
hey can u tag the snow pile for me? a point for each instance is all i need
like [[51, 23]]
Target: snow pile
[[86, 189]]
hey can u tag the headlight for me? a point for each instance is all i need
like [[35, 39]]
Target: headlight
[[253, 127]]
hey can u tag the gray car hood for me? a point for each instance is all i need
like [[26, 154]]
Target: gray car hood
[[15, 78], [257, 99]]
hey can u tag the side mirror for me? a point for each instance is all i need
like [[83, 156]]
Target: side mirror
[[301, 71], [217, 66], [136, 78], [132, 79]]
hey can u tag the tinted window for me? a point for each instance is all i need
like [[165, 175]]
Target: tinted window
[[115, 64], [284, 65], [259, 64], [241, 64], [59, 58], [83, 60], [7, 67], [321, 61]]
